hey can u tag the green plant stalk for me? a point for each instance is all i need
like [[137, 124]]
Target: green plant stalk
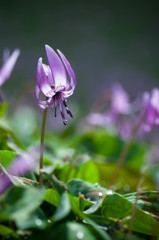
[[42, 148], [134, 206]]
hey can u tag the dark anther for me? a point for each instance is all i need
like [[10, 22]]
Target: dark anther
[[65, 122]]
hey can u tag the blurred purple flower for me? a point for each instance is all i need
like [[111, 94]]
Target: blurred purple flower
[[125, 126], [100, 119], [119, 112], [151, 108], [9, 63], [119, 102], [19, 167], [52, 82]]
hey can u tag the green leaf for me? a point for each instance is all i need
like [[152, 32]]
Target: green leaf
[[26, 117], [117, 207], [90, 191], [7, 232], [6, 157], [94, 207], [63, 209], [67, 231], [3, 216], [86, 171], [19, 181], [3, 109], [4, 138], [101, 143], [8, 140], [148, 201], [23, 182], [36, 220], [101, 234], [21, 203], [52, 196]]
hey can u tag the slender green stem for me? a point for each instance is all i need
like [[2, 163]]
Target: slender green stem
[[135, 205], [42, 147], [126, 149]]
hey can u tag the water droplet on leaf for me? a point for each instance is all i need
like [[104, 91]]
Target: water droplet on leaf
[[38, 222], [126, 188], [100, 194], [109, 192], [80, 235]]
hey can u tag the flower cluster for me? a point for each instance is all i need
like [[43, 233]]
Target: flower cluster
[[125, 114], [52, 82]]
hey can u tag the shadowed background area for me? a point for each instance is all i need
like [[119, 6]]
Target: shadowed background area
[[105, 42]]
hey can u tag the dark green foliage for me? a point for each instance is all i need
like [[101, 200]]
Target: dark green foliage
[[76, 202]]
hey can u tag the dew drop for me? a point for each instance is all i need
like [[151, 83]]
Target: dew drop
[[100, 194], [80, 235], [38, 222], [126, 188], [109, 192]]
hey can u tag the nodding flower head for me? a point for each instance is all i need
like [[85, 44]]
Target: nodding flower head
[[53, 83]]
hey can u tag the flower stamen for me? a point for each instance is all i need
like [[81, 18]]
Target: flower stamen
[[67, 109]]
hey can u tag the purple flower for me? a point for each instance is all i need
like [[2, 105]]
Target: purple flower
[[7, 68], [119, 113], [100, 119], [151, 108], [52, 82], [19, 167], [119, 102]]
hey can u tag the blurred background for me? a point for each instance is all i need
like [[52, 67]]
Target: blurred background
[[105, 42]]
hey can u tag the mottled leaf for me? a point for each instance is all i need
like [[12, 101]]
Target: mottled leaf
[[117, 207]]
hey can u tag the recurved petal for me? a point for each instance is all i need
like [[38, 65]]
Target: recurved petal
[[67, 93], [42, 80], [56, 66], [42, 104], [8, 66], [69, 69]]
